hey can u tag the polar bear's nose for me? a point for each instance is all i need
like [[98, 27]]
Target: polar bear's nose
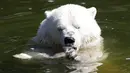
[[69, 40]]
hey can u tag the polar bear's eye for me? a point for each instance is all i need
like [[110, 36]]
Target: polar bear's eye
[[76, 26], [60, 28]]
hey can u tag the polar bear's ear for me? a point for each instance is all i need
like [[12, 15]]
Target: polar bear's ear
[[47, 13], [93, 11]]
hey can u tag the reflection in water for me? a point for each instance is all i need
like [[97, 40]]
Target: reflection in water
[[88, 59]]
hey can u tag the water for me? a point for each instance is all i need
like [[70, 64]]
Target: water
[[19, 20]]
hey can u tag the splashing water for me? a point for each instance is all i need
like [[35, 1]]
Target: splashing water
[[88, 59]]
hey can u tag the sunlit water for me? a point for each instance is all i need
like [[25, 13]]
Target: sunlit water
[[20, 19]]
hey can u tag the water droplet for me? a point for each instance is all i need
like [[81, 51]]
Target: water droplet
[[83, 3], [32, 48], [112, 28], [29, 8]]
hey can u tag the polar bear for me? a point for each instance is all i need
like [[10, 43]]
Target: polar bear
[[71, 28], [69, 31]]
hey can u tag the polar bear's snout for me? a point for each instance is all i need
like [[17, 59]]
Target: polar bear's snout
[[69, 40]]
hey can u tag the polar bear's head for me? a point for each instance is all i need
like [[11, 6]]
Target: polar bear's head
[[65, 31]]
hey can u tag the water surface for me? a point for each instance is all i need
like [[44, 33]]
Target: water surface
[[19, 20]]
